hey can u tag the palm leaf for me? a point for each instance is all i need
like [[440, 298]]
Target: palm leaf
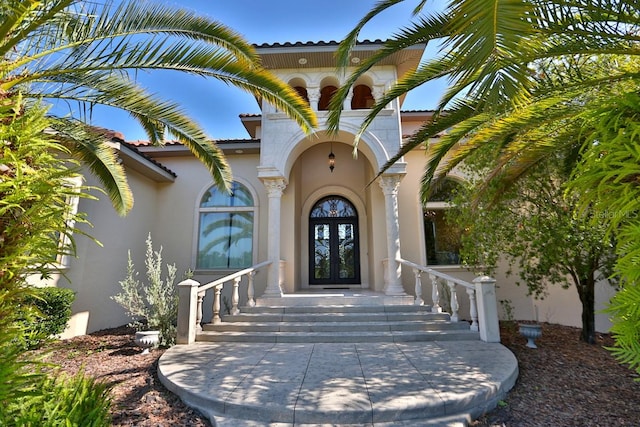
[[92, 148]]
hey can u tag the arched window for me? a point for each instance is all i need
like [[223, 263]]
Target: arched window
[[326, 93], [225, 229], [362, 98], [442, 239]]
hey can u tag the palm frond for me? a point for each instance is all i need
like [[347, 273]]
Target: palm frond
[[90, 146], [350, 40], [423, 31]]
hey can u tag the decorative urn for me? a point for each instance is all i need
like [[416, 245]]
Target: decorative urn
[[147, 339], [531, 331]]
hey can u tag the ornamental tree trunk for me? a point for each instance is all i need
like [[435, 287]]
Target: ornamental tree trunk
[[586, 291]]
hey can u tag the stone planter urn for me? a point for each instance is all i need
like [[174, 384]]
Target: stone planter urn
[[531, 332], [147, 339]]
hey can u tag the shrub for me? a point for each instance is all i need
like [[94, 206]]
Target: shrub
[[152, 305], [46, 312], [35, 213], [78, 401], [28, 396]]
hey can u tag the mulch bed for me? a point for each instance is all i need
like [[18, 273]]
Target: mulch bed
[[563, 382], [566, 382]]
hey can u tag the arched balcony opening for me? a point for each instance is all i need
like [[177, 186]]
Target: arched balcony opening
[[362, 97], [326, 93], [302, 91]]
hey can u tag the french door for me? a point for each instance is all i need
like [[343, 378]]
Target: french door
[[334, 253]]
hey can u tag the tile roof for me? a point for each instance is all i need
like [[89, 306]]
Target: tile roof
[[141, 143], [317, 43], [149, 158]]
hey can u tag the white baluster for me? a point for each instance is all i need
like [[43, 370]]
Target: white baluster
[[473, 309], [251, 302], [199, 312], [435, 295], [216, 305], [454, 301], [419, 300], [235, 296]]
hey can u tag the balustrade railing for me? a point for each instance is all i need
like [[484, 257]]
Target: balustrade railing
[[191, 296], [483, 311]]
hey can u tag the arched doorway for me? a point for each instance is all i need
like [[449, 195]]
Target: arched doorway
[[334, 250]]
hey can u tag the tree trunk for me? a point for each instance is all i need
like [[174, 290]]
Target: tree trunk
[[586, 291]]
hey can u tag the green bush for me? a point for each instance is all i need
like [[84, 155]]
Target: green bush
[[36, 227], [37, 221], [29, 396], [45, 313], [78, 401], [54, 305]]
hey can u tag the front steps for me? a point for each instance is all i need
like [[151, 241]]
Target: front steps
[[307, 363], [336, 324]]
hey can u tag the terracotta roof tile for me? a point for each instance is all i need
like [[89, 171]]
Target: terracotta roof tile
[[141, 143], [316, 43]]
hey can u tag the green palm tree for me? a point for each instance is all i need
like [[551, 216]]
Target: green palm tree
[[514, 68], [530, 79], [72, 50]]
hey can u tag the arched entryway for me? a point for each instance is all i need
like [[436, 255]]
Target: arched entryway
[[334, 247]]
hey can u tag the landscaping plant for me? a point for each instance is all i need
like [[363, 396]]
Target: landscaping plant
[[44, 313], [151, 304]]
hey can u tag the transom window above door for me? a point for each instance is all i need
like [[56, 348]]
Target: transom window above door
[[333, 207]]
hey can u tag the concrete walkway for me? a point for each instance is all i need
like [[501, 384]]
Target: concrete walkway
[[438, 383]]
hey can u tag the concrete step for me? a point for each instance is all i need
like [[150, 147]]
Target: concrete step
[[341, 308], [438, 383], [335, 317], [336, 324], [339, 337], [344, 326], [334, 297]]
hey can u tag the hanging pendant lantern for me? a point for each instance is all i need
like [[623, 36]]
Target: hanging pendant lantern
[[332, 159]]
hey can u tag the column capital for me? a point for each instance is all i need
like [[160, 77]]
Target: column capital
[[390, 183], [313, 93], [377, 92], [274, 186]]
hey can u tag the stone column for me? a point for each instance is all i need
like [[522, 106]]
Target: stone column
[[187, 311], [314, 96], [377, 92], [487, 309], [346, 105], [275, 187], [389, 185]]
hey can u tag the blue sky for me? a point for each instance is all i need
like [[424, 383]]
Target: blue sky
[[216, 106]]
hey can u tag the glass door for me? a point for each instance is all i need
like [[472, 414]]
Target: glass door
[[333, 250]]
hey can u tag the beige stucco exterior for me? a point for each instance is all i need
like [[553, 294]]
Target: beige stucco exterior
[[167, 207]]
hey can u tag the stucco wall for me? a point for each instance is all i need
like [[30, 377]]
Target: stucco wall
[[95, 273]]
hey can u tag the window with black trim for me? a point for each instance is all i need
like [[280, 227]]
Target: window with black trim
[[442, 239]]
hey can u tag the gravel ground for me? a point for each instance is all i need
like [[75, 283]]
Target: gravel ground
[[562, 383]]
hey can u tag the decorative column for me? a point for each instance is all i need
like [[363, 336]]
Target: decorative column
[[346, 105], [275, 187], [389, 185], [487, 309], [314, 96], [377, 92], [187, 311]]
